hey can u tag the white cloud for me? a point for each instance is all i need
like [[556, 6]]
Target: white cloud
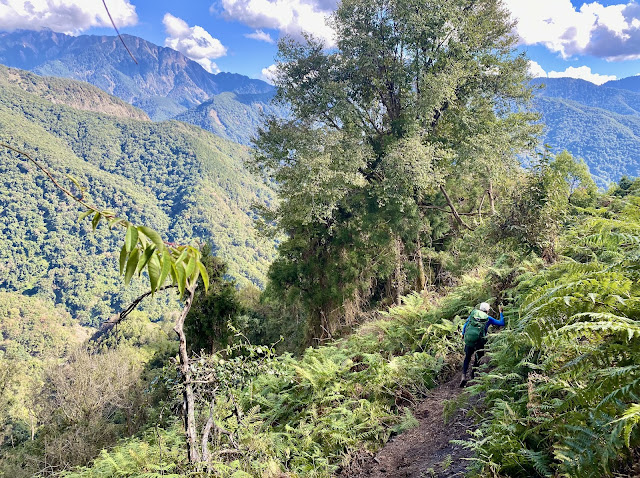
[[583, 73], [260, 36], [291, 17], [193, 42], [611, 32], [270, 73], [65, 16], [536, 70]]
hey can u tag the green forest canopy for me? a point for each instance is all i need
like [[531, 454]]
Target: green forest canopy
[[188, 184]]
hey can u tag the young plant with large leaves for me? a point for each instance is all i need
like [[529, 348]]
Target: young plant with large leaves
[[144, 250]]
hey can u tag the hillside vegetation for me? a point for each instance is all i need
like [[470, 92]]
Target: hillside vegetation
[[401, 205], [183, 181], [559, 393], [75, 94], [600, 124], [233, 116]]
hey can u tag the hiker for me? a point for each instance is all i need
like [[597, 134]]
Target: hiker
[[474, 333]]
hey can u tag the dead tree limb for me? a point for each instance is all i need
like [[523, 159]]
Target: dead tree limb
[[455, 213], [116, 319], [189, 401]]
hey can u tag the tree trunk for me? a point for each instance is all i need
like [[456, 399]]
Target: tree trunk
[[399, 282], [422, 280], [189, 401], [480, 207], [453, 209], [33, 426], [206, 431], [492, 201]]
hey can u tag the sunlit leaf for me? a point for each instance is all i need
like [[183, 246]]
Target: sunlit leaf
[[154, 271], [131, 238], [96, 220], [146, 255], [204, 274], [152, 235], [165, 267], [88, 212], [191, 266], [132, 264], [123, 258], [182, 279]]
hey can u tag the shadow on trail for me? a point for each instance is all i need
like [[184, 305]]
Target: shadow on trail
[[424, 451]]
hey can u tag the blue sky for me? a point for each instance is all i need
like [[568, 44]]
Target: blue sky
[[596, 41]]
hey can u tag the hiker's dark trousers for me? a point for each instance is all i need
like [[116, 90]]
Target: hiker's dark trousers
[[469, 350]]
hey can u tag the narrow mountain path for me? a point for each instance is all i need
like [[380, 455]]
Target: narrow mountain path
[[424, 451]]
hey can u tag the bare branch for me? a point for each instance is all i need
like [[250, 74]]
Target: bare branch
[[50, 176], [448, 211], [455, 213], [116, 319]]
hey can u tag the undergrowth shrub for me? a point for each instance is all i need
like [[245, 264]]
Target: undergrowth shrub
[[562, 398], [306, 416]]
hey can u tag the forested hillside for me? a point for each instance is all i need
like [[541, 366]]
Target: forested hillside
[[600, 124], [76, 94], [606, 140], [395, 192], [233, 116], [183, 181], [631, 83]]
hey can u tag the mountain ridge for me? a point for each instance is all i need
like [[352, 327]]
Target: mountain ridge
[[629, 83], [167, 85], [163, 83], [75, 94], [600, 124]]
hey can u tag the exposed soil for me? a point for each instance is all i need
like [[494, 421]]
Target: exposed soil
[[424, 451]]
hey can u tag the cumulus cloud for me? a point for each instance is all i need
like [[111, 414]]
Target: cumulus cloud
[[260, 36], [582, 73], [65, 16], [291, 17], [193, 42], [270, 73], [536, 70], [611, 32]]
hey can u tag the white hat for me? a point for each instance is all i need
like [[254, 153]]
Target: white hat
[[484, 307]]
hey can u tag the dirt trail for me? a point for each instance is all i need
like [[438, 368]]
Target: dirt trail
[[424, 451]]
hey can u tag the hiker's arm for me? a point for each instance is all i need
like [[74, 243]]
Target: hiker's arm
[[499, 323]]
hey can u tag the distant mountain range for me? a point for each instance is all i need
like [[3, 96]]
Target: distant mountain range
[[164, 82], [597, 123], [631, 83]]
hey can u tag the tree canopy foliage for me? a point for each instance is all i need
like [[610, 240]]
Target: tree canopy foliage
[[420, 103]]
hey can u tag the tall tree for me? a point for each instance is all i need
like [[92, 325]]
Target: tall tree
[[414, 97]]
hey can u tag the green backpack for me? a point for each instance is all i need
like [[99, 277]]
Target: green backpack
[[476, 327]]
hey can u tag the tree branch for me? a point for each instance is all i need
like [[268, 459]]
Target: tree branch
[[116, 319], [48, 173], [448, 211], [455, 213]]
